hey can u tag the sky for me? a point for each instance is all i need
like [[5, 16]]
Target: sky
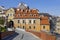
[[44, 6]]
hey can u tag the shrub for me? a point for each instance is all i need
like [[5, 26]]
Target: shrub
[[2, 29], [1, 21]]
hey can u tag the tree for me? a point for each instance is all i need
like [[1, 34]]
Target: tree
[[2, 21]]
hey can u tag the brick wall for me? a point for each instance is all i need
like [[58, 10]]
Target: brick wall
[[4, 34], [44, 35]]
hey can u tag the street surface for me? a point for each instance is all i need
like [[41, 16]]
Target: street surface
[[23, 35]]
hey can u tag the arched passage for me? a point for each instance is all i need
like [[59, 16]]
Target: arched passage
[[11, 24]]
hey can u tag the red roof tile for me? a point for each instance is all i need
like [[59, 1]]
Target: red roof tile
[[44, 22]]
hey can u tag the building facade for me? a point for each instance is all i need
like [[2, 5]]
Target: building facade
[[57, 29], [45, 25], [10, 14], [2, 11], [28, 19]]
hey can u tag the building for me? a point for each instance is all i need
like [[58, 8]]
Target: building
[[57, 29], [10, 14], [45, 25], [2, 11], [26, 18], [29, 19], [10, 17], [52, 21]]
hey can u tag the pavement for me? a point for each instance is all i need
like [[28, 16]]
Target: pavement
[[23, 35]]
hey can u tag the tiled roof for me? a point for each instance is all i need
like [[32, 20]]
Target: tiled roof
[[26, 13], [44, 22], [45, 17]]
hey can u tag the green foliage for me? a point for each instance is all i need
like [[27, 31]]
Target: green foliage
[[2, 29], [1, 21]]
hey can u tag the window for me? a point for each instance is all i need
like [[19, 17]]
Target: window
[[29, 21], [31, 14], [23, 27], [58, 28], [27, 11], [18, 26], [34, 14], [29, 27], [34, 21], [34, 27], [43, 27], [10, 14], [23, 21], [18, 21], [23, 10]]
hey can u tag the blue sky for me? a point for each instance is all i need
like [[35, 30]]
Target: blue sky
[[49, 6]]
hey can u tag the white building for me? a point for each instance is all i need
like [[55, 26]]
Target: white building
[[2, 11], [58, 25]]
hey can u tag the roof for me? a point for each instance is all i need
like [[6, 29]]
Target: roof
[[26, 13], [26, 16], [45, 14], [44, 17], [44, 22]]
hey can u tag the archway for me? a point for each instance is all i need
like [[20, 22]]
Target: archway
[[11, 24]]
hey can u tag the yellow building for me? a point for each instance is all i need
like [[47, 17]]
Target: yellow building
[[27, 24], [45, 25], [28, 19], [10, 14]]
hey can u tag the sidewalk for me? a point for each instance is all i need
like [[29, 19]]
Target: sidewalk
[[23, 35]]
